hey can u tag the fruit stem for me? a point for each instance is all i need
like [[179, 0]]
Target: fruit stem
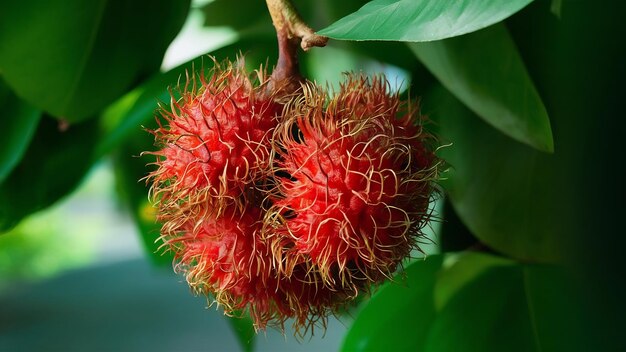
[[291, 32]]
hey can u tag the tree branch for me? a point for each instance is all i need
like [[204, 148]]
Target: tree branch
[[292, 33]]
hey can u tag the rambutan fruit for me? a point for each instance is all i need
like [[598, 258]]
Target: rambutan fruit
[[288, 205], [354, 180], [213, 145]]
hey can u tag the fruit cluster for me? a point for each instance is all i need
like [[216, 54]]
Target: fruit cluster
[[289, 206]]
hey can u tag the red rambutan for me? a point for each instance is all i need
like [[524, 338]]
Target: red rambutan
[[353, 183], [289, 211]]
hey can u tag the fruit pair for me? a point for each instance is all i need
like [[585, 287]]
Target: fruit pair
[[290, 205]]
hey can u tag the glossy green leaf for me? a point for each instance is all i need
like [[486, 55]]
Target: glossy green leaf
[[19, 122], [508, 195], [485, 71], [459, 270], [71, 58], [397, 317], [420, 20], [509, 308], [55, 162]]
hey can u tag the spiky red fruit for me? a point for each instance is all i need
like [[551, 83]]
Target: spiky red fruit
[[289, 212], [214, 143], [355, 181]]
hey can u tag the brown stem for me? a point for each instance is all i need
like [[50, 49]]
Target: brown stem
[[291, 32]]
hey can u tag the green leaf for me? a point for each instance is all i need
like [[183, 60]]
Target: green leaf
[[71, 58], [485, 71], [507, 194], [398, 316], [19, 122], [421, 20], [460, 269], [53, 165], [509, 308]]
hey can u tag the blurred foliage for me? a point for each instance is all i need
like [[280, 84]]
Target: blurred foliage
[[60, 237], [42, 246], [505, 85], [94, 50]]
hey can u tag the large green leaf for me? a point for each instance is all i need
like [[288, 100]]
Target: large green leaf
[[19, 121], [71, 58], [508, 195], [509, 308], [420, 20], [53, 165], [485, 71], [397, 318]]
